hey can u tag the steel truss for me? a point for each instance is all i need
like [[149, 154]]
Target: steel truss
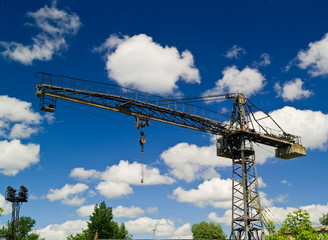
[[247, 222], [15, 219]]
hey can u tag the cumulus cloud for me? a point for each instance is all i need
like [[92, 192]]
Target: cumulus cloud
[[15, 110], [68, 194], [215, 192], [114, 189], [55, 27], [85, 211], [116, 180], [315, 58], [128, 212], [248, 81], [120, 211], [315, 211], [225, 219], [292, 90], [265, 60], [164, 227], [312, 126], [235, 52], [143, 64], [5, 205], [17, 121], [190, 162], [61, 231], [16, 156], [21, 131], [152, 210], [83, 175]]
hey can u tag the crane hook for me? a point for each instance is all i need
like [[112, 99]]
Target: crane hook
[[142, 142]]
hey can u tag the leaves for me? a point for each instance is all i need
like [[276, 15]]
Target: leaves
[[101, 221], [204, 230], [297, 225], [324, 219]]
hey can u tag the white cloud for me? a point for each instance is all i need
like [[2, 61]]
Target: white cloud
[[225, 219], [85, 211], [15, 110], [83, 175], [114, 189], [130, 173], [61, 231], [315, 211], [143, 64], [116, 181], [265, 60], [190, 162], [312, 126], [183, 232], [120, 211], [282, 198], [18, 121], [152, 210], [5, 205], [286, 182], [65, 194], [292, 90], [55, 25], [22, 131], [235, 52], [248, 81], [261, 183], [15, 156], [215, 192], [74, 201], [130, 212], [164, 227], [263, 153], [315, 58]]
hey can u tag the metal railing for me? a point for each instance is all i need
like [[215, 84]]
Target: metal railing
[[127, 93]]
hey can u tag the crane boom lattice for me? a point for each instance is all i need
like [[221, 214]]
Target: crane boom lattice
[[237, 132]]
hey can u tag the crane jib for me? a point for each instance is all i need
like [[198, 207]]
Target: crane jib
[[139, 104]]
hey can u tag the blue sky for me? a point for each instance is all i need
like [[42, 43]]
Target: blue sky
[[275, 52]]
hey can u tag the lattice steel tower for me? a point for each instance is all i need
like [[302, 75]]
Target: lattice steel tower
[[17, 200]]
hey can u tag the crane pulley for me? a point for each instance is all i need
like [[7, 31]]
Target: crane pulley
[[237, 133]]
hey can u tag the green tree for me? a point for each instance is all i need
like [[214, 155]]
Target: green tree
[[24, 230], [297, 225], [273, 234], [324, 219], [101, 221], [204, 230]]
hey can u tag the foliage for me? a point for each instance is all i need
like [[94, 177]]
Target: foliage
[[1, 211], [25, 226], [204, 230], [101, 221], [324, 219], [297, 225], [273, 234]]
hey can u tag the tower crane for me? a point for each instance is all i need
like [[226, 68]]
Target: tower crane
[[236, 135]]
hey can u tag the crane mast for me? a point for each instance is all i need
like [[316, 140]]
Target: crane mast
[[236, 133]]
